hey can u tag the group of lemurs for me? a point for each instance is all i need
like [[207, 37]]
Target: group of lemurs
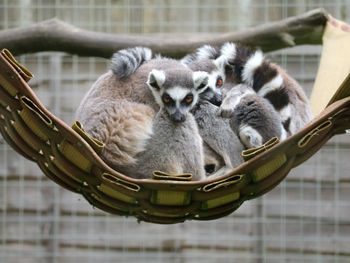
[[193, 115]]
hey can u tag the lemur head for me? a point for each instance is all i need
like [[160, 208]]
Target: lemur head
[[216, 71], [243, 65], [177, 90]]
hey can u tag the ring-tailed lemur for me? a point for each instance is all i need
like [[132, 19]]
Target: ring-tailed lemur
[[267, 79], [222, 147], [119, 111], [175, 145]]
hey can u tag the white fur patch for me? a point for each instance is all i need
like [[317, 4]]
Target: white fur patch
[[228, 50], [230, 104], [158, 76], [143, 134], [272, 85], [212, 80], [220, 63], [283, 134], [147, 54], [205, 52], [252, 64], [177, 93], [250, 137], [234, 96], [285, 113], [200, 77], [144, 52]]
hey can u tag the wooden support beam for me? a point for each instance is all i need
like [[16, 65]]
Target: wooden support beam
[[55, 35]]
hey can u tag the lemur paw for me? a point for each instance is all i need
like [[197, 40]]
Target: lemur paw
[[226, 111], [233, 98], [250, 137]]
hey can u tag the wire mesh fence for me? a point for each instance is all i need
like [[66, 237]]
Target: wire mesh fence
[[304, 219]]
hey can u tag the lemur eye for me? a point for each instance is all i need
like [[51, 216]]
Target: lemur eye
[[219, 82], [166, 99], [188, 99]]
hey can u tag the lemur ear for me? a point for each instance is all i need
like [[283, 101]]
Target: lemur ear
[[156, 79], [221, 63], [229, 50], [200, 80]]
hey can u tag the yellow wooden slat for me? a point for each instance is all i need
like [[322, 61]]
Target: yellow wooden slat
[[116, 194], [27, 136], [75, 156], [222, 200], [8, 86], [268, 168], [35, 119], [172, 198]]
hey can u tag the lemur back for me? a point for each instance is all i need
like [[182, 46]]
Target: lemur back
[[267, 79]]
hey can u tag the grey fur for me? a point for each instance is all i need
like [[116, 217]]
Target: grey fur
[[251, 117], [127, 61], [174, 148], [119, 112], [222, 146], [215, 70], [222, 154]]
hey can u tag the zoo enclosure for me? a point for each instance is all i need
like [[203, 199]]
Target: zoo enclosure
[[303, 219]]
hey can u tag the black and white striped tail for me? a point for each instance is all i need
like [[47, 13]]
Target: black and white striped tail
[[204, 52], [252, 68], [127, 61]]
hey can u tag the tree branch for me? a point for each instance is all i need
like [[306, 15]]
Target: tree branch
[[55, 35]]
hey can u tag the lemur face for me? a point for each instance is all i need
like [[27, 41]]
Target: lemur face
[[177, 102], [177, 91], [213, 93], [216, 71]]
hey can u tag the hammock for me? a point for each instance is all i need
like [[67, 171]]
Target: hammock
[[69, 156]]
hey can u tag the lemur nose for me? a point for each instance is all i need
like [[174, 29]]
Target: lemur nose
[[217, 99], [178, 117]]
